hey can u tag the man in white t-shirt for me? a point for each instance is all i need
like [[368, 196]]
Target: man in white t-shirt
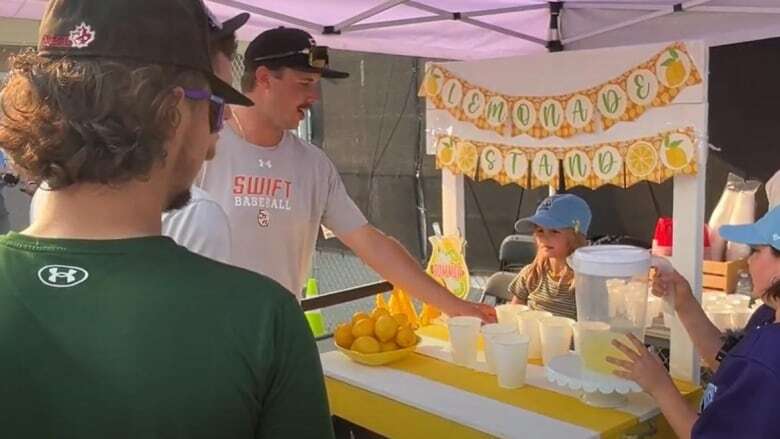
[[278, 189], [202, 225]]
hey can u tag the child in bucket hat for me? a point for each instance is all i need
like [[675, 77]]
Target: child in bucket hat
[[559, 226]]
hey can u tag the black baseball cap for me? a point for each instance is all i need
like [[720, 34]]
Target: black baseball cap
[[228, 27], [164, 32], [290, 47]]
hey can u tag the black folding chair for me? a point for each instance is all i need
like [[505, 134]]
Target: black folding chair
[[516, 252]]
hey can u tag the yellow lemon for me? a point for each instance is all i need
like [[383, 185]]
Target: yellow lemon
[[675, 73], [641, 159], [385, 328], [360, 315], [401, 319], [388, 346], [343, 335], [405, 338], [379, 312], [365, 345], [363, 327]]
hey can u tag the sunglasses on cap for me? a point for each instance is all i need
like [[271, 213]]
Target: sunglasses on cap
[[216, 107], [318, 56]]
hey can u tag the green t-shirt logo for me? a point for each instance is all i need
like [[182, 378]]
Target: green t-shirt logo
[[62, 276]]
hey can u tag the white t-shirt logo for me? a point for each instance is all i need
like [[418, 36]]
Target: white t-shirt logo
[[62, 276], [265, 164]]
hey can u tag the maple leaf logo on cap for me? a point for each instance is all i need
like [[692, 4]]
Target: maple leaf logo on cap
[[82, 36]]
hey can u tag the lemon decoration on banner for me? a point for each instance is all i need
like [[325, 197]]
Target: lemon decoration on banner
[[673, 68], [445, 152], [523, 115], [452, 93], [607, 163], [466, 158], [641, 159], [491, 162], [579, 111], [496, 111], [551, 115], [474, 103], [677, 151], [434, 79], [642, 86]]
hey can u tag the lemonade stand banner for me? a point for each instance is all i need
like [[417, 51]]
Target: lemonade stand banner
[[620, 163], [653, 83]]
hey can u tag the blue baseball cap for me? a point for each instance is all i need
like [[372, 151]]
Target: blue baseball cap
[[765, 231], [565, 211]]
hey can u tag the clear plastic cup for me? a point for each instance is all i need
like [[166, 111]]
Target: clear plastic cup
[[720, 316], [555, 334], [528, 322], [464, 334], [511, 355], [740, 318], [507, 313], [488, 333]]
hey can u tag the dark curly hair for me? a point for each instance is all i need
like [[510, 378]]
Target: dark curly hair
[[88, 120]]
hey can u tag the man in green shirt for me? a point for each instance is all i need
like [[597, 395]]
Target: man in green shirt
[[108, 329]]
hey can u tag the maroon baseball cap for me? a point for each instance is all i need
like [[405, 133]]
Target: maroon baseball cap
[[163, 32]]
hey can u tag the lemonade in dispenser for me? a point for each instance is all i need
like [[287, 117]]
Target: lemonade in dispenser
[[611, 287]]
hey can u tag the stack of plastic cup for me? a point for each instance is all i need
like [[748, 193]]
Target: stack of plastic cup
[[488, 333], [464, 334], [528, 322], [508, 313], [555, 335], [511, 356]]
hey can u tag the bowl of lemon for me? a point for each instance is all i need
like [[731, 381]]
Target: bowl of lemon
[[376, 339]]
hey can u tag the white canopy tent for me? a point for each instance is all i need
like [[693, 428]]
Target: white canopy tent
[[482, 29]]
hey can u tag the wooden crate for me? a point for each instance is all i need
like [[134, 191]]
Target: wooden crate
[[722, 276]]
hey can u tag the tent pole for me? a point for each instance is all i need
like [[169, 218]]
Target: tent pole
[[668, 10], [271, 14], [389, 4]]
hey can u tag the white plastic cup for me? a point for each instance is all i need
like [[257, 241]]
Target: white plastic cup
[[464, 334], [488, 333], [721, 317], [507, 313], [711, 298], [528, 323], [555, 335], [511, 355], [740, 318], [738, 301]]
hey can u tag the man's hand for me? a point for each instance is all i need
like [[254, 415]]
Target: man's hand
[[480, 310]]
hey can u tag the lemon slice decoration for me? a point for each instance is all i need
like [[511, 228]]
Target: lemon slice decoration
[[641, 159], [446, 151], [466, 157]]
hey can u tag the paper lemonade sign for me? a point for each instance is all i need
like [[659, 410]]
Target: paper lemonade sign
[[653, 83], [448, 264], [621, 163]]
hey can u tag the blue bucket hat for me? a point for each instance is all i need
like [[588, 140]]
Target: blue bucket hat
[[565, 211], [765, 231]]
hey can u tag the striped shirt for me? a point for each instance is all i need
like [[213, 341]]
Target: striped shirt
[[549, 295]]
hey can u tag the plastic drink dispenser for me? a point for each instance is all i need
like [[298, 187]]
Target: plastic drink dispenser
[[611, 287]]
